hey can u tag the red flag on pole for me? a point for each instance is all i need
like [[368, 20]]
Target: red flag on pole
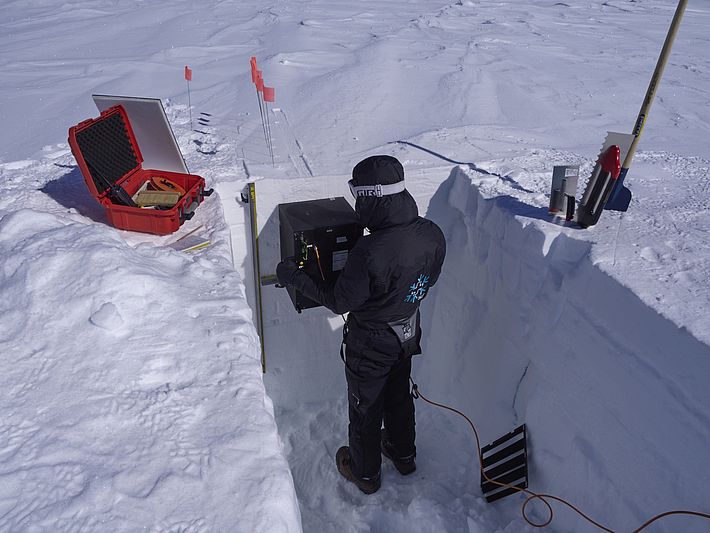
[[269, 94], [188, 73], [259, 81], [252, 62]]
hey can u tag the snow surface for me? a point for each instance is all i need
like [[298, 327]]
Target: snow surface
[[132, 388]]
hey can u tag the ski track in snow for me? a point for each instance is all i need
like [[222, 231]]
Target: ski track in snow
[[115, 419]]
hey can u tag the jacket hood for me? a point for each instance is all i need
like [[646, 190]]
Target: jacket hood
[[378, 169], [377, 213]]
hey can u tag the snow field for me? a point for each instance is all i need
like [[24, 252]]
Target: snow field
[[135, 401], [133, 394]]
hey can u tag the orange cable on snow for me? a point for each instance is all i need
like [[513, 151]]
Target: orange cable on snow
[[542, 497], [669, 513]]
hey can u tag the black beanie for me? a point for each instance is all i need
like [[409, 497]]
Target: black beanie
[[378, 169]]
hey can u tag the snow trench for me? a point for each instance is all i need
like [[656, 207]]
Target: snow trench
[[523, 327]]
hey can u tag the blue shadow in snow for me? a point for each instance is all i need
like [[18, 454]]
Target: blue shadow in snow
[[70, 191], [472, 166]]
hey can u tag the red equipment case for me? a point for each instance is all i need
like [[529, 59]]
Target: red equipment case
[[108, 155]]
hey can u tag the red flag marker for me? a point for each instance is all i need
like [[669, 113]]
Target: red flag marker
[[252, 63], [269, 94], [188, 73]]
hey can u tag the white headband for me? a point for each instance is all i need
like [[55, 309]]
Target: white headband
[[376, 190]]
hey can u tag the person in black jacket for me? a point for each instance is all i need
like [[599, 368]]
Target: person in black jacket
[[387, 275]]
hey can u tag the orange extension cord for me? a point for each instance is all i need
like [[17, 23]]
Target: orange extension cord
[[320, 267], [542, 497]]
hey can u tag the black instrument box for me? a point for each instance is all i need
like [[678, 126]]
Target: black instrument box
[[319, 234]]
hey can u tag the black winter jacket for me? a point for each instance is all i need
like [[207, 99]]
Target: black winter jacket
[[389, 271]]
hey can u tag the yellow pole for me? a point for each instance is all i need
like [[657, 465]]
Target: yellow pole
[[619, 200], [257, 272]]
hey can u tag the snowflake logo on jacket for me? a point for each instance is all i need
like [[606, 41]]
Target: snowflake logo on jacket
[[418, 289]]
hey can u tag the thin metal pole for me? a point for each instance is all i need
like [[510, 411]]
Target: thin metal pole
[[261, 114], [189, 103], [268, 129]]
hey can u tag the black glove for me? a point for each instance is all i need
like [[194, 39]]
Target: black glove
[[286, 270]]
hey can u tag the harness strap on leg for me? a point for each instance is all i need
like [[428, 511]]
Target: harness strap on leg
[[342, 343]]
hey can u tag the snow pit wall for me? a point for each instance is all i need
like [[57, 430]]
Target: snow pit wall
[[523, 327]]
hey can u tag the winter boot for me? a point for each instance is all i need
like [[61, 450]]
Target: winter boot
[[404, 465], [342, 459]]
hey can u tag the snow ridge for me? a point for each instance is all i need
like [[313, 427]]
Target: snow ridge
[[133, 391]]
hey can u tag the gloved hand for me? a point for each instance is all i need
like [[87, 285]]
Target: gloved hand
[[285, 271]]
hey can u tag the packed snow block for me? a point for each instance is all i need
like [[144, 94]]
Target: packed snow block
[[111, 162], [301, 346]]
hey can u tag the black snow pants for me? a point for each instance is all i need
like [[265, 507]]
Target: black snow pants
[[377, 370]]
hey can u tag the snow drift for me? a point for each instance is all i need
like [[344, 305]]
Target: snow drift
[[132, 391]]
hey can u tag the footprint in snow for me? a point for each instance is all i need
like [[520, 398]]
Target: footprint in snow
[[107, 317], [649, 254]]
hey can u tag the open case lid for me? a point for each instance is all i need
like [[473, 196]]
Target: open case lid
[[152, 129], [105, 148]]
